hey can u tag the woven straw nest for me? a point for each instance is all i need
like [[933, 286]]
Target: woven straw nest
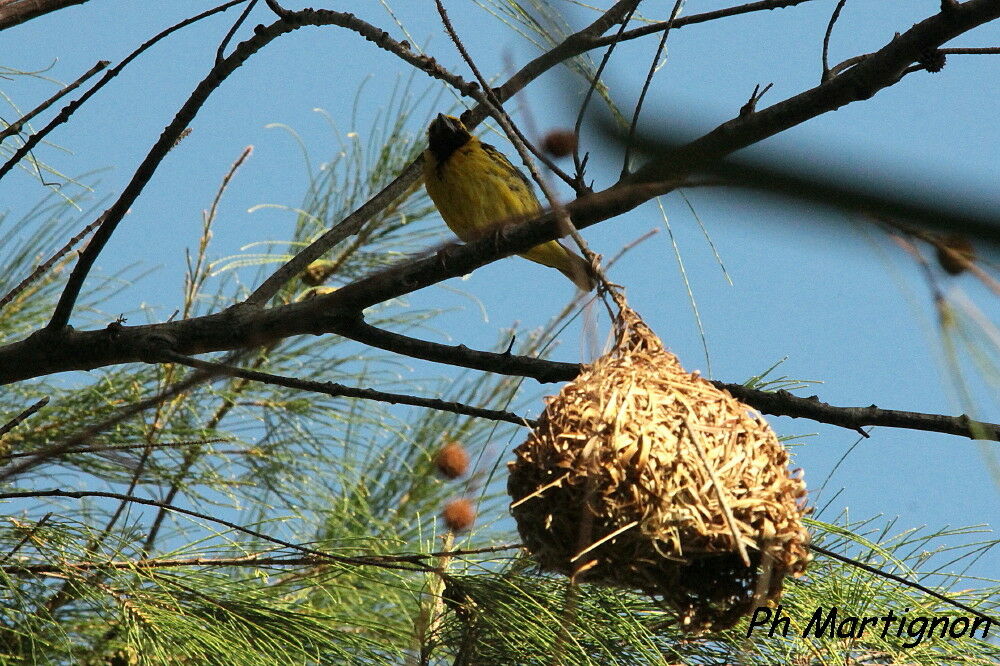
[[642, 475]]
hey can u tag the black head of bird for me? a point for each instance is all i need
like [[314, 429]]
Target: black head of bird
[[445, 135]]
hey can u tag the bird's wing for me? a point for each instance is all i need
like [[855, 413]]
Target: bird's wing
[[507, 166]]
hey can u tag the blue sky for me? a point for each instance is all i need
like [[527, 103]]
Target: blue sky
[[847, 307]]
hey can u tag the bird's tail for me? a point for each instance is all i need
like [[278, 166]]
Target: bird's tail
[[567, 262], [578, 269]]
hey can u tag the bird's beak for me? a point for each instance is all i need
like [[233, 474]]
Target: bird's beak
[[444, 124], [448, 124]]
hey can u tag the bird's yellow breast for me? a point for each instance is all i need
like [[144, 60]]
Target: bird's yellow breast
[[475, 188]]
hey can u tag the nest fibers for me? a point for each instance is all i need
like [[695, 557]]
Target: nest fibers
[[642, 475]]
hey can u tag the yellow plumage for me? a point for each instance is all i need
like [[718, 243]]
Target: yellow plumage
[[475, 187]]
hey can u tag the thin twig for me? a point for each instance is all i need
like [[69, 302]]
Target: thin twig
[[986, 50], [253, 560], [27, 536], [15, 127], [580, 165], [341, 391], [20, 418], [846, 64], [43, 267], [903, 581], [195, 277], [71, 108], [645, 87], [495, 106], [144, 172], [221, 51], [520, 143], [382, 561], [642, 238], [117, 417], [704, 17], [826, 40]]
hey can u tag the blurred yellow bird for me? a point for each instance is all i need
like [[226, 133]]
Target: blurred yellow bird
[[475, 187]]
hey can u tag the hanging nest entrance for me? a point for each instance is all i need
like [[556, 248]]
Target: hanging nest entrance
[[644, 476]]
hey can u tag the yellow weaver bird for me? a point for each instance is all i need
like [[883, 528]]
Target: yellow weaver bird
[[475, 187]]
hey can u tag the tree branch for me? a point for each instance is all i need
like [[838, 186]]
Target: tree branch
[[253, 560], [783, 403], [23, 416], [114, 215], [341, 391], [541, 370], [71, 108], [879, 70], [16, 126], [779, 403], [376, 560], [13, 12]]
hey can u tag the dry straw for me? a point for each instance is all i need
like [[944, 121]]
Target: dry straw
[[642, 475]]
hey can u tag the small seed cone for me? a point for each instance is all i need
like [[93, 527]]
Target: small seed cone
[[459, 514]]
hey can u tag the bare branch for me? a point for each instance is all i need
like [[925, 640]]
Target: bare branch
[[388, 562], [114, 215], [347, 227], [986, 50], [341, 391], [43, 267], [84, 435], [253, 560], [780, 403], [877, 71], [903, 581], [23, 416], [580, 164], [541, 370], [826, 39], [16, 126], [783, 403], [645, 86], [221, 51], [13, 12], [71, 108]]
